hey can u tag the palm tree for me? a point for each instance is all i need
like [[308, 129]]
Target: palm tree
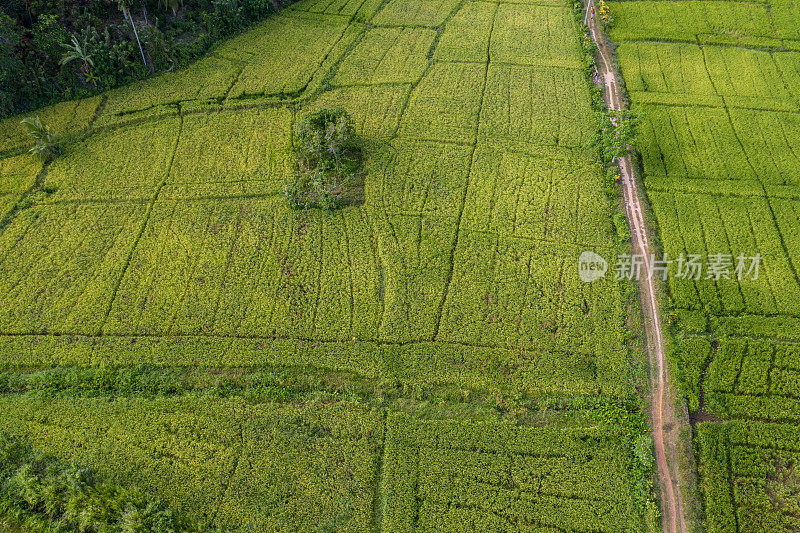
[[76, 51], [123, 5], [47, 142]]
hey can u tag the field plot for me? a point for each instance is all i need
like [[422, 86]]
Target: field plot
[[360, 10], [719, 147], [446, 104], [387, 55], [60, 265], [225, 253], [553, 196], [446, 289], [258, 467], [236, 151], [706, 225], [17, 175], [723, 20], [541, 106], [430, 13], [218, 75], [375, 109], [683, 143], [535, 35], [482, 477], [466, 35], [750, 474], [65, 118], [83, 172], [748, 464], [291, 60]]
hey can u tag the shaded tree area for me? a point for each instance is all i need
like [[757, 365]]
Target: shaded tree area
[[52, 50]]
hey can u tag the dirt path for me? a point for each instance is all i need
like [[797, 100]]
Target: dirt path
[[662, 415]]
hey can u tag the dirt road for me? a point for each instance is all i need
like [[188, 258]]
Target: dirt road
[[662, 413]]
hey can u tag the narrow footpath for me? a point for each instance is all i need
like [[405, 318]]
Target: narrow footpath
[[662, 411]]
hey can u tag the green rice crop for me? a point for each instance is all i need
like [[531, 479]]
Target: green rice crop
[[218, 75], [62, 279], [233, 149], [539, 106], [440, 361], [446, 104], [466, 35], [282, 54], [535, 35], [387, 55], [498, 477], [17, 175], [720, 153], [224, 462], [65, 118], [130, 162], [684, 21], [376, 110], [430, 13], [758, 460]]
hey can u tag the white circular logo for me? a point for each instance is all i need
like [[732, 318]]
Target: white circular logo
[[591, 266]]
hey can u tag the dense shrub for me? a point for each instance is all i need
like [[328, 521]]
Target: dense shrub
[[328, 159], [39, 492]]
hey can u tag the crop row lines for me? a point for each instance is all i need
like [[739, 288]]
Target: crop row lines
[[307, 340], [378, 501], [37, 185], [229, 478], [450, 262], [535, 494], [781, 238], [512, 521], [752, 334], [149, 211], [699, 41]]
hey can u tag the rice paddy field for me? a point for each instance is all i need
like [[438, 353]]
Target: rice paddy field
[[424, 360], [717, 86]]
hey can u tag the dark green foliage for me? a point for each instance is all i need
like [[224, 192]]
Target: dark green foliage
[[10, 64], [326, 140], [33, 36], [328, 159], [41, 493], [151, 381]]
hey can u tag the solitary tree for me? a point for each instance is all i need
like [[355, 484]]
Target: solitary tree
[[329, 157]]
